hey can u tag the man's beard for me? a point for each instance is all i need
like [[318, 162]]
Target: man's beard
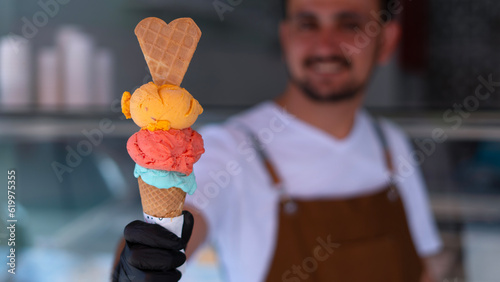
[[348, 93], [335, 96]]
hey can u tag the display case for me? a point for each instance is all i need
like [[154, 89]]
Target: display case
[[75, 186]]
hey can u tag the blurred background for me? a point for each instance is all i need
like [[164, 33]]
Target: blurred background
[[64, 65]]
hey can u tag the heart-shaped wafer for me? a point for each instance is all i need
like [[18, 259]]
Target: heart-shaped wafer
[[168, 49]]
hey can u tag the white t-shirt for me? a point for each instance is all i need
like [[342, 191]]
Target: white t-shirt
[[236, 196]]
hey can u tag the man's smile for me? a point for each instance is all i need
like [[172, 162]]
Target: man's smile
[[327, 66]]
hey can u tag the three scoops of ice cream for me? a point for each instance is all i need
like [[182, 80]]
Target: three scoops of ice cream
[[166, 147]]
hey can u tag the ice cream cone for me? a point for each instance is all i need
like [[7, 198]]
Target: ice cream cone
[[162, 203]]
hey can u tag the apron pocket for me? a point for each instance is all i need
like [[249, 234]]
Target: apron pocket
[[371, 260]]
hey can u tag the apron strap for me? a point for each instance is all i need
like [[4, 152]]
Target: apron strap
[[385, 145], [259, 148], [377, 125], [275, 177]]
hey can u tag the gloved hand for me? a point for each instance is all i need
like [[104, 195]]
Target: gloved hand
[[152, 253]]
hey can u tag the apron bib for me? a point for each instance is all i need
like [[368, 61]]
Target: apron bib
[[345, 240], [358, 239]]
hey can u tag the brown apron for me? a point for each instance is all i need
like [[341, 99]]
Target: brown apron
[[363, 238]]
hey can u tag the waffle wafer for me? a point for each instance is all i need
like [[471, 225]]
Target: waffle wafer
[[168, 49]]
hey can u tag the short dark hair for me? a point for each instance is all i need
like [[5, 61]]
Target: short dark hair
[[383, 6]]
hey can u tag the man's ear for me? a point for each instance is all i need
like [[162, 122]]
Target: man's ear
[[390, 40], [283, 30]]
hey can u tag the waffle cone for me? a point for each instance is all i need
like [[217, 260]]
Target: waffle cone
[[168, 49], [162, 203]]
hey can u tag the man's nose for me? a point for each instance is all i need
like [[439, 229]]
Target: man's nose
[[327, 42]]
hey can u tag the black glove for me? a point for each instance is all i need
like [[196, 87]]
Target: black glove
[[152, 253]]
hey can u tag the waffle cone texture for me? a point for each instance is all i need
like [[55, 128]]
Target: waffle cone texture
[[168, 48], [161, 203]]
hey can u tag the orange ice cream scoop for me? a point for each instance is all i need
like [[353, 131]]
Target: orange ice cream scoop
[[172, 150], [161, 108]]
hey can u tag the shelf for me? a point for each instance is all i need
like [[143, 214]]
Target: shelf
[[42, 125], [483, 125], [461, 207], [46, 126]]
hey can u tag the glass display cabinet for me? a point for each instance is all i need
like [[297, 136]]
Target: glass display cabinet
[[75, 186]]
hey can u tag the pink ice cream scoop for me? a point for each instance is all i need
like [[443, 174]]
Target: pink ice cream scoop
[[170, 150]]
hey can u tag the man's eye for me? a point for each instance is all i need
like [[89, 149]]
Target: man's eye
[[307, 26], [350, 25]]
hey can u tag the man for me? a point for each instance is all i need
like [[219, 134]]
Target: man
[[299, 189]]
